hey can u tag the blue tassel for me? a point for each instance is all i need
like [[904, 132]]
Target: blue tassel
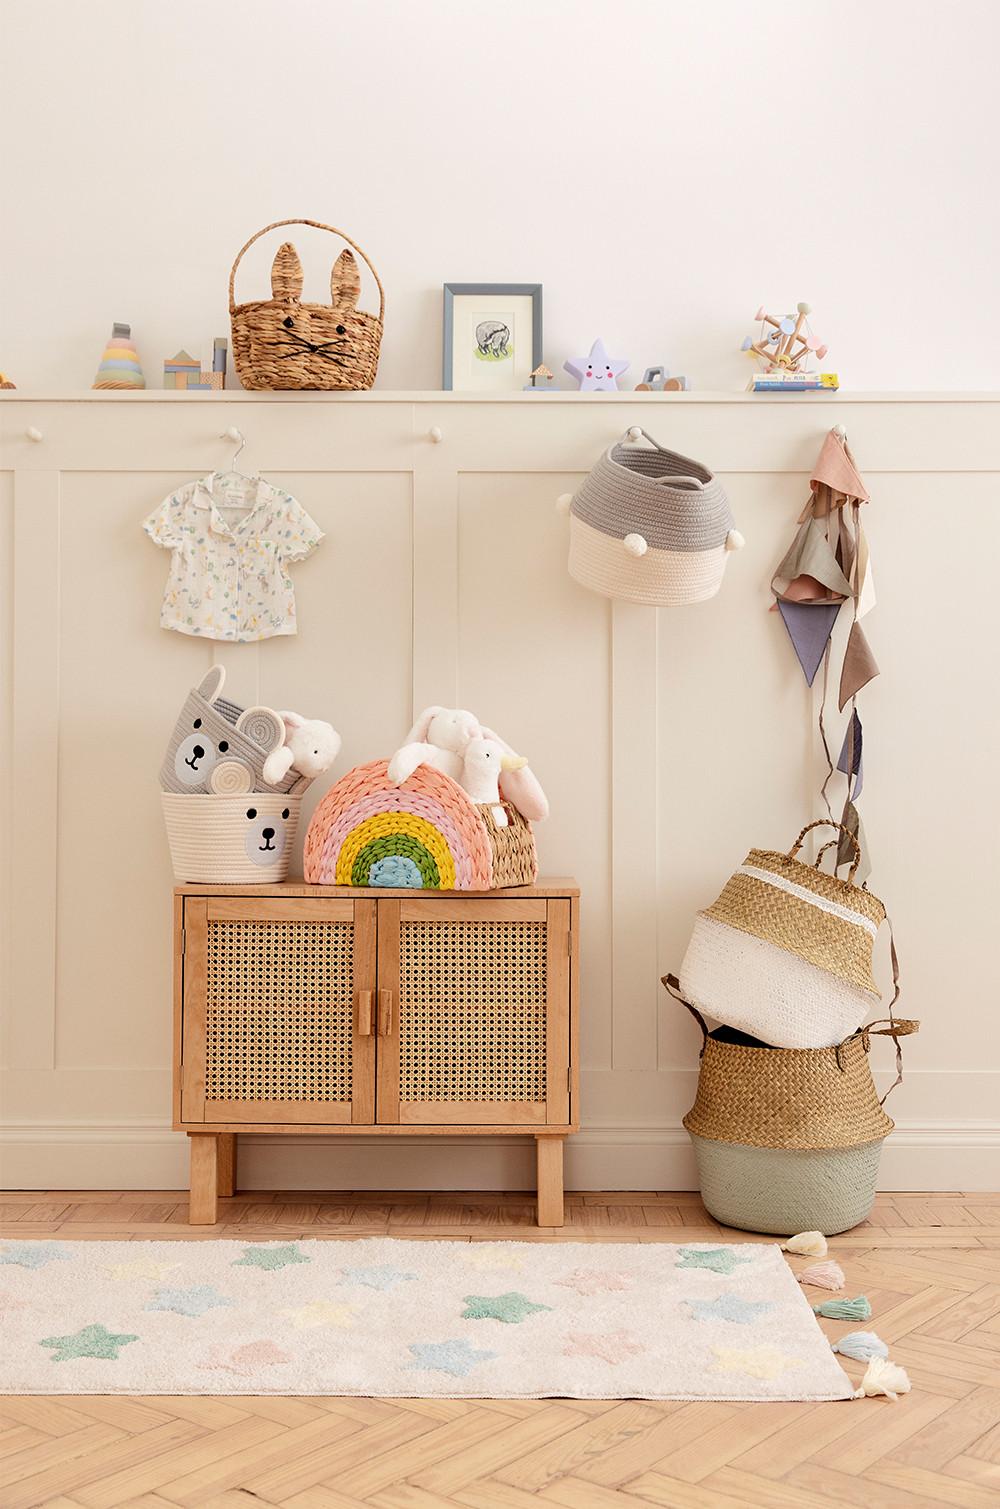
[[861, 1345], [845, 1309]]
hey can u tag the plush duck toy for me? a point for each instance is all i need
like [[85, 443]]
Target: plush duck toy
[[485, 761], [441, 732]]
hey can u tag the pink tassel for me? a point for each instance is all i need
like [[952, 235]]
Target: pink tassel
[[823, 1276]]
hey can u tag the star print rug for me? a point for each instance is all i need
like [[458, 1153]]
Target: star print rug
[[512, 1320]]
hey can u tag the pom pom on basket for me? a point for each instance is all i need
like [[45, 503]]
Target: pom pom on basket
[[424, 834]]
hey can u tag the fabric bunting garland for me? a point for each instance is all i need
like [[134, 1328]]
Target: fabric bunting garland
[[827, 565]]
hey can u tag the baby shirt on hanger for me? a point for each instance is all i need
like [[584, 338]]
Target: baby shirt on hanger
[[231, 539]]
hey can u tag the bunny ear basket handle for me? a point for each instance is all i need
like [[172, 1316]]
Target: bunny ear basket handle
[[824, 822], [317, 225]]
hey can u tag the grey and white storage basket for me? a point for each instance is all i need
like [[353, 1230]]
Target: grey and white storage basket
[[650, 526]]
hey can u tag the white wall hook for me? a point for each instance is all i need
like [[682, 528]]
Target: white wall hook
[[232, 434], [436, 434], [634, 432], [32, 433], [838, 429]]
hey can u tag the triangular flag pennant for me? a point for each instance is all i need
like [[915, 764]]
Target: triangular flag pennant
[[835, 467], [809, 628], [859, 666], [846, 853], [810, 555], [850, 761]]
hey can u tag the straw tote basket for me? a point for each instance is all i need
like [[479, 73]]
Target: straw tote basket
[[789, 1139], [650, 526], [281, 343], [785, 952], [243, 839]]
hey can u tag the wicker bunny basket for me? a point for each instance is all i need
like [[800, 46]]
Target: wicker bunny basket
[[282, 343]]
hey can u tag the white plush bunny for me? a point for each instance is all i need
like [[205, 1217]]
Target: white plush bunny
[[443, 731], [310, 747]]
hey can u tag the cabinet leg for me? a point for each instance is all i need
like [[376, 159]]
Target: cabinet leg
[[226, 1180], [202, 1208], [550, 1180]]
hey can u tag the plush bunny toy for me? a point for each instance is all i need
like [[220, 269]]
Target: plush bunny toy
[[310, 747], [442, 734]]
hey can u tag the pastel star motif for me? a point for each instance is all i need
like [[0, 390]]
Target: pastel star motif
[[377, 1278], [144, 1268], [488, 1259], [758, 1362], [511, 1308], [189, 1301], [729, 1307], [456, 1358], [598, 372], [717, 1259], [613, 1347], [319, 1312], [91, 1341], [589, 1281], [270, 1256], [33, 1254], [246, 1360]]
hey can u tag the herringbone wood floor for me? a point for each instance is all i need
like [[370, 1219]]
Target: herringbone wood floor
[[929, 1263]]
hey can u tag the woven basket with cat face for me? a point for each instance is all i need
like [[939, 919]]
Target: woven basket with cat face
[[281, 342]]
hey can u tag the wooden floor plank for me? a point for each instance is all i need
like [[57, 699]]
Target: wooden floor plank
[[929, 1262]]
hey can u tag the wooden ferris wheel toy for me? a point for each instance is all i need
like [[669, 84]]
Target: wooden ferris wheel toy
[[786, 347]]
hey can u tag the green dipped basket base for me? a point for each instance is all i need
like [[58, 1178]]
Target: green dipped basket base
[[784, 1190]]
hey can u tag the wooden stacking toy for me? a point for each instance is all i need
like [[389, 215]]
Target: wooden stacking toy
[[119, 366], [784, 345]]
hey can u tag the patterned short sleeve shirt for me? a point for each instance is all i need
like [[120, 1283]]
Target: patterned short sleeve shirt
[[231, 539]]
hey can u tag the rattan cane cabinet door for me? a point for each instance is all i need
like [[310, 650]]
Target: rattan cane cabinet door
[[278, 1011], [474, 1012]]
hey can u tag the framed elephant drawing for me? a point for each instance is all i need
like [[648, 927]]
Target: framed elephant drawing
[[492, 336]]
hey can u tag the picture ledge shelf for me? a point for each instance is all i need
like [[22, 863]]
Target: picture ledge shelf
[[435, 396]]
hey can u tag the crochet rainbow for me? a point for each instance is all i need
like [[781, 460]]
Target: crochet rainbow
[[426, 833]]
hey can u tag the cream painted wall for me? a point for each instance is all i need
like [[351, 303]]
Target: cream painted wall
[[443, 578], [660, 166]]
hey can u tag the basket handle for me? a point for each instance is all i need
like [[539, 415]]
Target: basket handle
[[825, 822], [673, 987], [318, 225]]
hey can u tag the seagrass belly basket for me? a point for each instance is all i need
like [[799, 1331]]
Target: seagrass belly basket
[[786, 1139], [283, 343]]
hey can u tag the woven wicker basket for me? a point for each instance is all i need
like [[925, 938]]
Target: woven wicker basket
[[281, 343], [773, 1126], [425, 834], [785, 952], [215, 840]]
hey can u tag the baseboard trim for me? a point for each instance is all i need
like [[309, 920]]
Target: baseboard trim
[[147, 1154]]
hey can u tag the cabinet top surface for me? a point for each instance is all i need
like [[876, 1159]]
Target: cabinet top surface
[[546, 886]]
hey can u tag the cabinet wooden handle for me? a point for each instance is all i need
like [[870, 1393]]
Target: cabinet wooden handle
[[384, 1013], [364, 1012]]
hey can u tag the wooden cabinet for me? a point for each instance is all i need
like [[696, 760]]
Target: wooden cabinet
[[318, 1009]]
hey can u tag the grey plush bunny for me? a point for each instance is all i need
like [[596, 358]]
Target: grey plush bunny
[[211, 733]]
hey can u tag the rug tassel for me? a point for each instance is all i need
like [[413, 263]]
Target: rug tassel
[[807, 1244], [861, 1345], [823, 1276], [845, 1309], [883, 1377]]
